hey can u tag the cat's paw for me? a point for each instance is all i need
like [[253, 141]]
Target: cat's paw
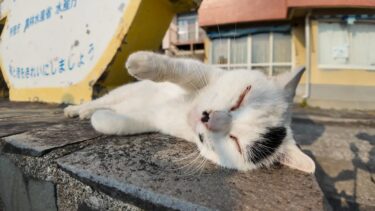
[[71, 111], [143, 65], [78, 110], [104, 121], [86, 113]]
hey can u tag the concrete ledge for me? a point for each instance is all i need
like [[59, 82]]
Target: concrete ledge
[[147, 171], [150, 171], [37, 142]]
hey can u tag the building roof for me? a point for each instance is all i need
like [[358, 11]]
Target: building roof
[[218, 12]]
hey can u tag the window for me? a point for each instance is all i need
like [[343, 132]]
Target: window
[[220, 51], [238, 51], [343, 45], [270, 53], [187, 27]]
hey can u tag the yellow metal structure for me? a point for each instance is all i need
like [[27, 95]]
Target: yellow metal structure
[[144, 25]]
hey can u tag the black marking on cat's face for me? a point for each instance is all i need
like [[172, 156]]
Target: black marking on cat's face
[[266, 145]]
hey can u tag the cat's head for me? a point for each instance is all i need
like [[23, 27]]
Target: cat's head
[[242, 121]]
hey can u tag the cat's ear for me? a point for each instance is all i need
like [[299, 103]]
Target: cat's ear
[[289, 81], [296, 159]]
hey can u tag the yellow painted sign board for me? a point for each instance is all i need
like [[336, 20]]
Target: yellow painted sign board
[[58, 50]]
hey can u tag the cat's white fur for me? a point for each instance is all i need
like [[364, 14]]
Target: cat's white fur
[[172, 95]]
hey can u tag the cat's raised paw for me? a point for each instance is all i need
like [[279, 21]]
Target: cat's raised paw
[[143, 65]]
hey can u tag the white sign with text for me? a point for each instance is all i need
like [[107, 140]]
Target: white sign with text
[[56, 43]]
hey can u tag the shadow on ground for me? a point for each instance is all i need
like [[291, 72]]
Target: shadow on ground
[[308, 133]]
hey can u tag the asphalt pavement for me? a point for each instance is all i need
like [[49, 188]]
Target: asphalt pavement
[[342, 143]]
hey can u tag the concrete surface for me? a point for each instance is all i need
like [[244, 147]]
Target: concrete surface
[[70, 194], [345, 158], [23, 193], [39, 141], [146, 171]]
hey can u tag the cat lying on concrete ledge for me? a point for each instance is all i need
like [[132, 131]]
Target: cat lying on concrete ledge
[[238, 119]]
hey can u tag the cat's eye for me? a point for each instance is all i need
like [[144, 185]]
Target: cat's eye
[[241, 98], [200, 135], [235, 139]]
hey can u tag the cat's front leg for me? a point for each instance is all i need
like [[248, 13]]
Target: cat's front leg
[[110, 123], [145, 65], [84, 111], [188, 73]]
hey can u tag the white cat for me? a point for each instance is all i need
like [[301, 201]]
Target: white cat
[[238, 119]]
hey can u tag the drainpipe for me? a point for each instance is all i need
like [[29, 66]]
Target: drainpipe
[[307, 55]]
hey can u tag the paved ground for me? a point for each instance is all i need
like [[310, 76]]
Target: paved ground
[[343, 146]]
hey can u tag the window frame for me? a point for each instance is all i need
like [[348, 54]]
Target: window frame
[[250, 65], [187, 17]]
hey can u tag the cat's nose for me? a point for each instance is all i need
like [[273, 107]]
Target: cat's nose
[[205, 117], [217, 121]]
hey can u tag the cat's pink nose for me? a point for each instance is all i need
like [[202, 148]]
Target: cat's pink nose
[[217, 121]]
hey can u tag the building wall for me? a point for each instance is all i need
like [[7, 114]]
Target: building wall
[[351, 77], [219, 12], [179, 42], [333, 88], [329, 88]]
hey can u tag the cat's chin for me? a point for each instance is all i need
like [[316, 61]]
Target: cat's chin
[[237, 167]]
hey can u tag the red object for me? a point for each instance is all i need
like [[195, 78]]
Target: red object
[[219, 12]]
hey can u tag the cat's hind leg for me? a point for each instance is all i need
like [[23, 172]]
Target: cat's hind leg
[[110, 123], [85, 110], [116, 96]]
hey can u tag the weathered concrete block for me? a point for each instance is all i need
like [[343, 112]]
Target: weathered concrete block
[[22, 193], [39, 141], [150, 171]]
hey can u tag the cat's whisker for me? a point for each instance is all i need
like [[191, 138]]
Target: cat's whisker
[[203, 166], [194, 169], [186, 157], [259, 152], [190, 163]]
